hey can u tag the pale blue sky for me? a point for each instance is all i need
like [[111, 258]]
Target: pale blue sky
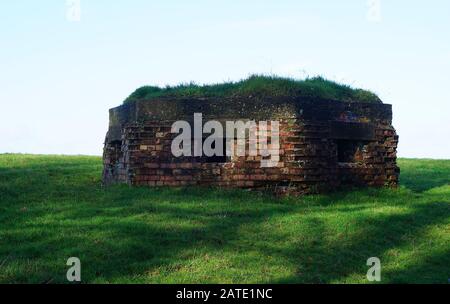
[[59, 78]]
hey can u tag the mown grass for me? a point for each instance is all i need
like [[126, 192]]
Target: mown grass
[[54, 207], [260, 86]]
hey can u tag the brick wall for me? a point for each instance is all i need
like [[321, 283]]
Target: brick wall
[[138, 150]]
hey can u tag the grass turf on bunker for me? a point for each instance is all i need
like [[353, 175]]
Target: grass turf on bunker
[[259, 86]]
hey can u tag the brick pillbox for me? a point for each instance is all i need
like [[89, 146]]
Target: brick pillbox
[[324, 145]]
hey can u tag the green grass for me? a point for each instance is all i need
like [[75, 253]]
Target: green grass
[[259, 86], [53, 207]]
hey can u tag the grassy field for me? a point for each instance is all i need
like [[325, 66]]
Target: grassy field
[[54, 207]]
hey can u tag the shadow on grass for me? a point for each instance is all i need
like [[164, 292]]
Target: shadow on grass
[[139, 235], [420, 175], [379, 235]]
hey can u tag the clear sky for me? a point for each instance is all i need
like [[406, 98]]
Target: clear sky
[[60, 76]]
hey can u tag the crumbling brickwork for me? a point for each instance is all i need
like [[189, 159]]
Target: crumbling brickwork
[[323, 145]]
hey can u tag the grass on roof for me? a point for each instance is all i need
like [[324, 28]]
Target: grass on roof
[[260, 86]]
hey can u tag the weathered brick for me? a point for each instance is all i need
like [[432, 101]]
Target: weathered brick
[[309, 159]]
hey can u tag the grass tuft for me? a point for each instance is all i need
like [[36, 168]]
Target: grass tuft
[[260, 86]]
